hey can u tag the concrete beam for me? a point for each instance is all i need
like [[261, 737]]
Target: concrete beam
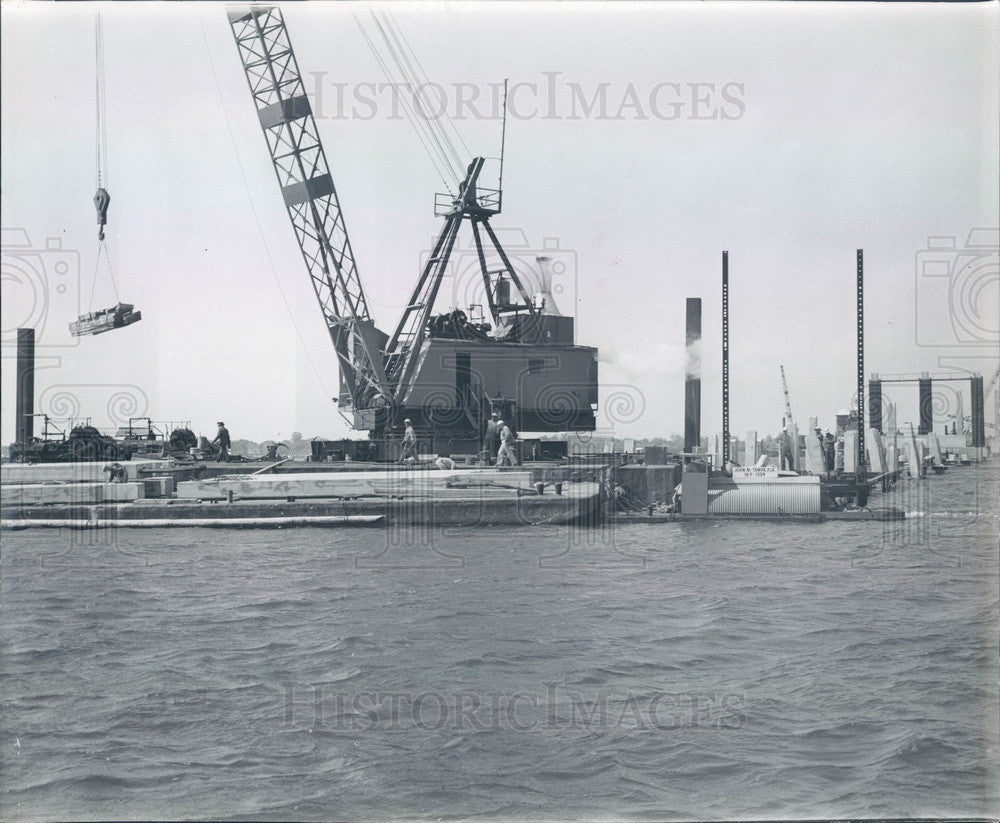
[[349, 484], [92, 472], [815, 462], [850, 451], [751, 451], [74, 494]]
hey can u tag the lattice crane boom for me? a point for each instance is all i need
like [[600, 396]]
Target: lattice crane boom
[[788, 402], [310, 196]]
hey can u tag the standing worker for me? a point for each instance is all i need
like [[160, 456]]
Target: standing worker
[[821, 452], [506, 451], [409, 442], [223, 441], [830, 452], [785, 460], [491, 437]]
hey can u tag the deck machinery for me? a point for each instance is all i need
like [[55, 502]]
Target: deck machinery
[[446, 371]]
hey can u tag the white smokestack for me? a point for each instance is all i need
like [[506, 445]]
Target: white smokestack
[[543, 297]]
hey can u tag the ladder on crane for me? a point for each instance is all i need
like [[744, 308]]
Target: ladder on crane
[[402, 352]]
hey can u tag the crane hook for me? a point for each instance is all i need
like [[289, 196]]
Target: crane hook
[[101, 201]]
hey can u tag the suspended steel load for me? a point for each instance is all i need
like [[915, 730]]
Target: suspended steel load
[[98, 322], [121, 314]]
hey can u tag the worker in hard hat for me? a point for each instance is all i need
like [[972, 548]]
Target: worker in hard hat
[[785, 459], [491, 437], [223, 441], [409, 442], [506, 451]]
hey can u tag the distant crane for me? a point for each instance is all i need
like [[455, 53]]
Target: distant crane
[[788, 402]]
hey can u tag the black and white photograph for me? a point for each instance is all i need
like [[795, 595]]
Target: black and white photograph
[[500, 411]]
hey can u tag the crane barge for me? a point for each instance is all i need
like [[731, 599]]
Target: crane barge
[[439, 369]]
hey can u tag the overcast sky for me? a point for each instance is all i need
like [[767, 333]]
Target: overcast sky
[[835, 127]]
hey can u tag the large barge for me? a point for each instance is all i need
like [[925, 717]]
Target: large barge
[[74, 496]]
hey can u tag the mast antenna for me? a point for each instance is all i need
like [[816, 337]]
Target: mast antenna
[[503, 138]]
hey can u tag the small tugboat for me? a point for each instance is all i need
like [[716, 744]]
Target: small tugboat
[[97, 322]]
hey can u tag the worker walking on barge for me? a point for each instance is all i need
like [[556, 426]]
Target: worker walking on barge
[[506, 451], [223, 441], [409, 442], [491, 437]]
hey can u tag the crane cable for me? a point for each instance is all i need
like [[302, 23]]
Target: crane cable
[[424, 137], [101, 160], [260, 228], [434, 127], [409, 58], [439, 148], [100, 130]]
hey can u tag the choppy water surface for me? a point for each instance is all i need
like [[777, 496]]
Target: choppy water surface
[[839, 669]]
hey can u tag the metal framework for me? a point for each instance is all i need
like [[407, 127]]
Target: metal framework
[[788, 401], [925, 382], [725, 357], [862, 468], [379, 372], [476, 206], [310, 196]]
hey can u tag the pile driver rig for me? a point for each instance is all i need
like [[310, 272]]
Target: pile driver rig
[[445, 371]]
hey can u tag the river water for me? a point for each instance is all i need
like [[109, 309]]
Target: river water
[[642, 672]]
